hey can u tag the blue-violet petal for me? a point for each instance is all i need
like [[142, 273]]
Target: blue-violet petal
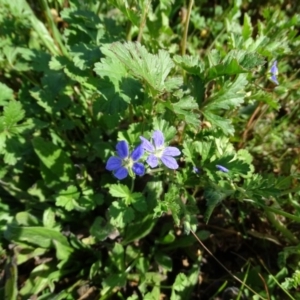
[[121, 173], [152, 161], [223, 169], [122, 149], [169, 162], [113, 163], [274, 69], [147, 145], [138, 169], [171, 151], [158, 139], [137, 153]]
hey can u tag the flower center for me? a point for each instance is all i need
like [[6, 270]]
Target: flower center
[[159, 152], [127, 163]]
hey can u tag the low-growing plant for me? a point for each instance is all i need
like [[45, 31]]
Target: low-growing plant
[[150, 149]]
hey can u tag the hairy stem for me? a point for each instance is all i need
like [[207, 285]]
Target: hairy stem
[[186, 28]]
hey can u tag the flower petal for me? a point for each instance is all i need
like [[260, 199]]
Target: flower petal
[[274, 79], [113, 163], [147, 145], [169, 162], [152, 161], [274, 69], [195, 169], [121, 173], [137, 153], [221, 168], [171, 151], [158, 139], [122, 149], [138, 169]]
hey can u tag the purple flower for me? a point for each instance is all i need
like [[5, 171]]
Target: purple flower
[[123, 164], [274, 72], [221, 168], [158, 151], [196, 170]]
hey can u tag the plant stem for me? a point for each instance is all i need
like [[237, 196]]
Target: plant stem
[[186, 28], [143, 21], [52, 25], [132, 184]]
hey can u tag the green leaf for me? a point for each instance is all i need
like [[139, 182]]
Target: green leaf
[[151, 68], [224, 124], [40, 236], [247, 27], [6, 93], [110, 67], [101, 229], [119, 190], [13, 113], [191, 64], [68, 198], [11, 279], [54, 159], [113, 281], [41, 277], [132, 14], [213, 198], [231, 67], [234, 63], [138, 229], [231, 95], [111, 101], [122, 191], [184, 109], [120, 214], [184, 284], [164, 261]]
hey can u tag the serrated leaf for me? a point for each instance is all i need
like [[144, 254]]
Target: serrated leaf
[[224, 124], [111, 101], [152, 68], [110, 67], [54, 159], [122, 191], [85, 55], [13, 113], [232, 67], [184, 108], [234, 63], [120, 214], [132, 13], [6, 93], [213, 198], [191, 64], [231, 95], [68, 198], [247, 27], [119, 190]]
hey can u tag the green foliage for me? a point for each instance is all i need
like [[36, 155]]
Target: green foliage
[[78, 77]]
